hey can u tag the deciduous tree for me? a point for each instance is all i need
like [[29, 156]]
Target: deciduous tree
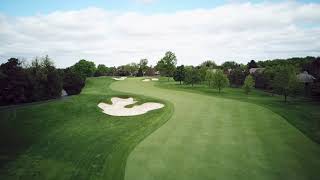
[[192, 76], [179, 74], [248, 84], [285, 81], [219, 80], [84, 68], [167, 64]]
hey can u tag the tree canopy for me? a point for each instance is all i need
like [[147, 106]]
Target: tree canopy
[[192, 75], [248, 84], [219, 80], [179, 74], [84, 68], [167, 64], [285, 81]]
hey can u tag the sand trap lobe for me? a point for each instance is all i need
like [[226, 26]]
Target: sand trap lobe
[[117, 108]]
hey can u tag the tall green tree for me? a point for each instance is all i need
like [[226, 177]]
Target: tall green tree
[[209, 76], [252, 64], [167, 64], [203, 72], [150, 71], [72, 82], [13, 83], [248, 84], [179, 74], [102, 70], [209, 64], [133, 68], [192, 76], [84, 68], [143, 65], [237, 76], [219, 80], [285, 81], [230, 65]]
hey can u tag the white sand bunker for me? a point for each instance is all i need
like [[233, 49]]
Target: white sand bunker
[[155, 79], [119, 79], [117, 108], [146, 80]]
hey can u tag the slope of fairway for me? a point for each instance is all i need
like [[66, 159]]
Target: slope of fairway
[[216, 138], [72, 138]]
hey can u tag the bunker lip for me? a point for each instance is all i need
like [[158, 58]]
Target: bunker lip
[[148, 79], [119, 79], [117, 108]]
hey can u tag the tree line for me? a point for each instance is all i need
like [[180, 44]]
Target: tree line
[[41, 80], [276, 76]]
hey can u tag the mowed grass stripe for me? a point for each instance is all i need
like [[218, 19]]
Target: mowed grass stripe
[[216, 138]]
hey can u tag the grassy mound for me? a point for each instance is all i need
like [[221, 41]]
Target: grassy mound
[[72, 138]]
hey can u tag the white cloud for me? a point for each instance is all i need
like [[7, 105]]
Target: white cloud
[[230, 32], [145, 1]]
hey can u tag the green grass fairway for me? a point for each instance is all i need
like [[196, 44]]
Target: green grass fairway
[[219, 138], [72, 138]]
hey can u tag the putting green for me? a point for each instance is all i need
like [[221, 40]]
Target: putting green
[[216, 138]]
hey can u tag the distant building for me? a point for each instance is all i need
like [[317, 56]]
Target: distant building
[[305, 77], [64, 93], [254, 70]]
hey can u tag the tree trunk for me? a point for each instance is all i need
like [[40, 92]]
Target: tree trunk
[[180, 82], [168, 78], [219, 90], [285, 97], [192, 84]]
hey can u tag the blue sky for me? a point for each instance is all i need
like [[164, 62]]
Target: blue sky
[[32, 7], [124, 31]]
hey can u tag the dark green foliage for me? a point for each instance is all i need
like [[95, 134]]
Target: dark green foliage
[[45, 79], [84, 68], [150, 71], [13, 83], [143, 65], [208, 64], [248, 84], [179, 74], [123, 71], [167, 64], [285, 81], [237, 76], [203, 71], [230, 65], [40, 81], [252, 64], [297, 62], [219, 80], [72, 82], [112, 71], [54, 83], [140, 73], [102, 70], [192, 76]]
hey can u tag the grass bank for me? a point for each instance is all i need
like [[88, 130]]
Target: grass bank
[[72, 138]]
